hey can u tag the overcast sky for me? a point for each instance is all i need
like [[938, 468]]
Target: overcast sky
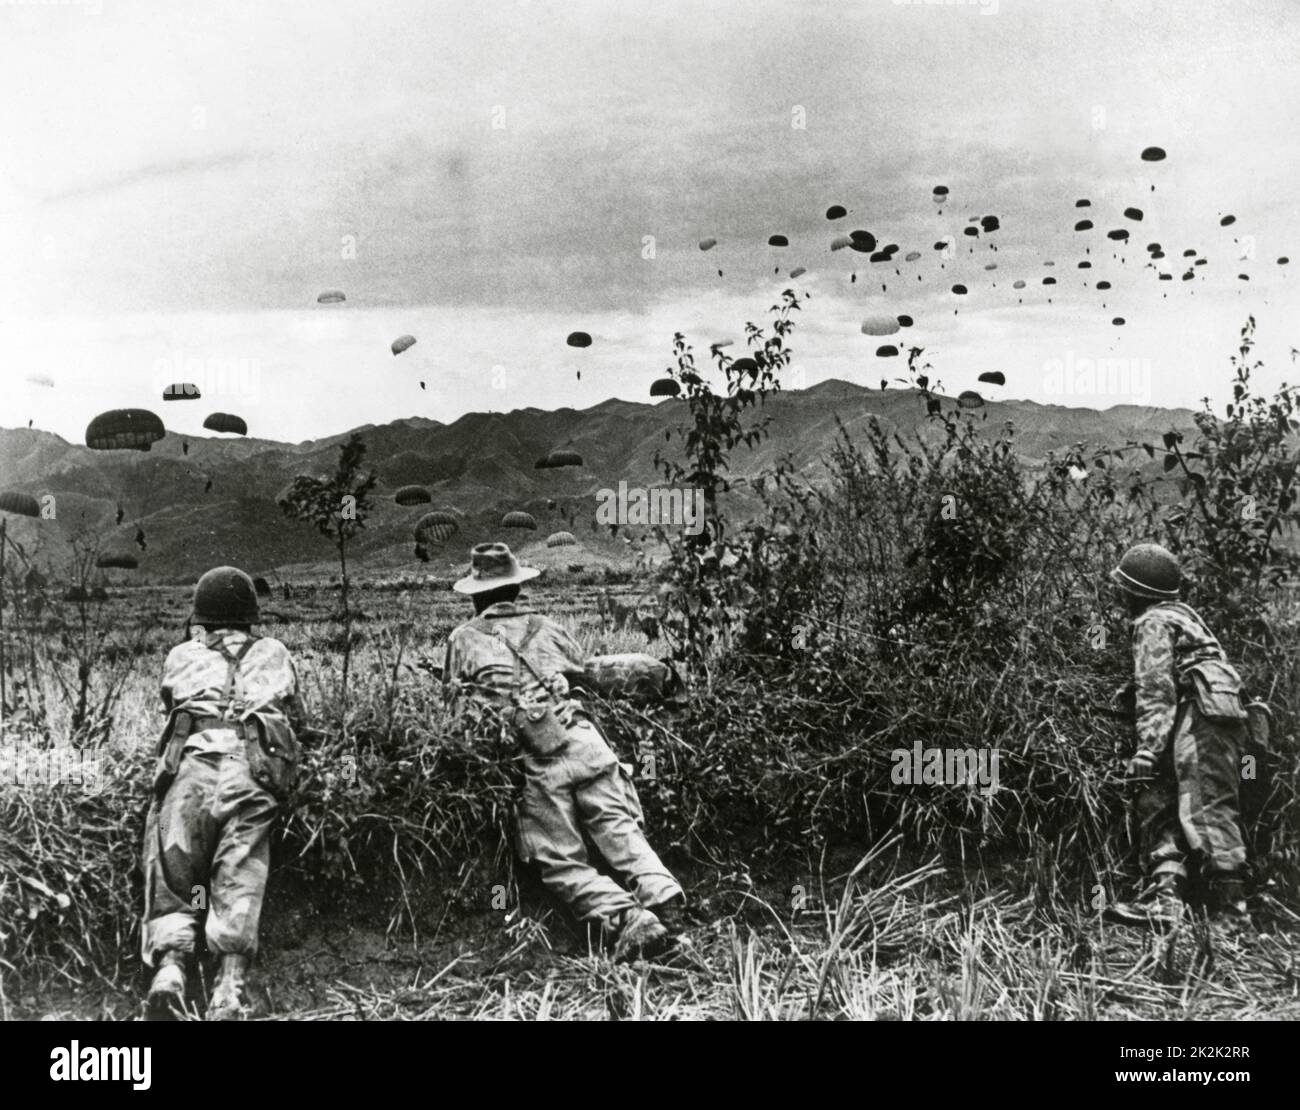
[[179, 182]]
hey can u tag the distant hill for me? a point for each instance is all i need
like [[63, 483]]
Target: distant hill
[[482, 465]]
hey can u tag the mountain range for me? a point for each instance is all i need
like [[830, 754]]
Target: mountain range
[[205, 501]]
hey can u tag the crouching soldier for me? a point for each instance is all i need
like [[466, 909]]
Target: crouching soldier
[[1191, 733], [510, 656], [227, 759]]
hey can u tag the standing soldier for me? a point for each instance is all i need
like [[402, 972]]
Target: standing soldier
[[226, 760], [510, 656], [1191, 732]]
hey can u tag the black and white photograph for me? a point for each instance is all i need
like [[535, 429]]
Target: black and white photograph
[[693, 510]]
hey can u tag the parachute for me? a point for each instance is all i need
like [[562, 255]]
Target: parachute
[[959, 289], [1119, 234], [798, 271], [989, 223], [778, 241], [880, 325], [578, 339], [940, 192], [124, 429], [412, 495], [973, 232], [1133, 213], [1283, 260], [1049, 281], [911, 256], [1189, 253], [518, 520], [561, 539], [664, 387], [840, 242], [558, 459], [21, 503], [117, 562], [990, 266], [1017, 285], [994, 377], [1085, 265], [969, 399], [836, 212], [1153, 154], [181, 391], [904, 321], [1083, 203], [1227, 221], [436, 527], [331, 296], [1118, 321], [708, 244], [402, 342], [745, 365], [863, 241], [1103, 285], [876, 256], [226, 422], [1083, 225], [886, 351]]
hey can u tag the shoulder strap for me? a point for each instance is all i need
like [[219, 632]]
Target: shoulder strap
[[232, 669], [520, 657]]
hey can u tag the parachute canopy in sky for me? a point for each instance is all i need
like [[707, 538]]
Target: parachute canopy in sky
[[226, 422], [412, 495], [994, 377], [578, 339], [561, 539], [24, 504], [836, 212], [436, 527], [124, 429], [880, 325], [708, 244], [181, 391], [777, 241], [402, 342], [664, 387], [331, 296], [1153, 154], [519, 519], [969, 399]]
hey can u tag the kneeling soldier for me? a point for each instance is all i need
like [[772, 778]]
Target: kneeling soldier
[[510, 656], [227, 758], [1191, 733]]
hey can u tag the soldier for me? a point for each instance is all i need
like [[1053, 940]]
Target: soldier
[[509, 655], [1191, 731], [227, 759]]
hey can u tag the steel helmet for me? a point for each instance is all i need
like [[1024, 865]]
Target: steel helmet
[[1150, 571], [225, 595]]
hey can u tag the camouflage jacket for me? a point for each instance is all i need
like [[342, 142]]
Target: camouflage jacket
[[1168, 639], [478, 663], [194, 678]]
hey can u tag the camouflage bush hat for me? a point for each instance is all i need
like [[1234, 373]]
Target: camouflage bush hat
[[491, 566]]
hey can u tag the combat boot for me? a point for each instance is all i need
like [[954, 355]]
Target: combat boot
[[1160, 906], [1227, 901], [640, 934], [166, 1000], [228, 999]]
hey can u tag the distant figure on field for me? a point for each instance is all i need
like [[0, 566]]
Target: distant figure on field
[[573, 782], [226, 761]]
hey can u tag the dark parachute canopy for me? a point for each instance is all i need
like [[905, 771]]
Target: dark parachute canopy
[[181, 391], [1227, 221], [1153, 154], [989, 223], [708, 244], [22, 503], [1103, 285], [226, 422], [331, 296], [412, 495], [1119, 234], [969, 399], [888, 350], [940, 192], [578, 339], [1118, 321], [994, 377], [1049, 281], [1133, 213], [1083, 225], [402, 342], [664, 387], [959, 289], [561, 539], [836, 212], [519, 520], [911, 256], [1083, 202], [124, 429], [798, 271], [117, 562], [745, 365], [862, 241], [777, 241], [436, 527], [904, 320], [558, 459], [1018, 284]]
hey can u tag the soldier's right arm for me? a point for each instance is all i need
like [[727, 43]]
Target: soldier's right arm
[[1156, 695]]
